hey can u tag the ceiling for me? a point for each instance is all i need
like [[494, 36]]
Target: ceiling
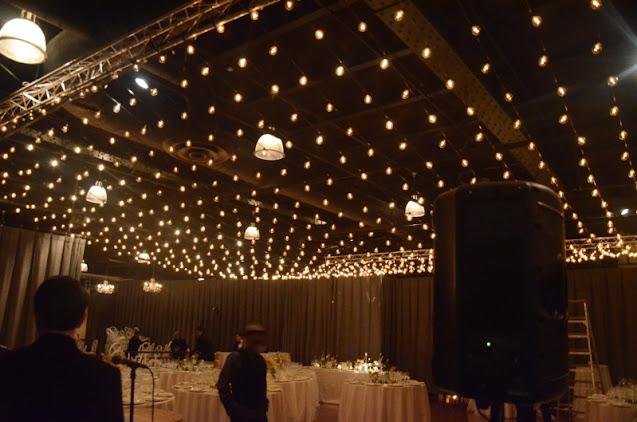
[[177, 158]]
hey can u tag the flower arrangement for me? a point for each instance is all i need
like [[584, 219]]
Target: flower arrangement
[[188, 364], [326, 361], [276, 362]]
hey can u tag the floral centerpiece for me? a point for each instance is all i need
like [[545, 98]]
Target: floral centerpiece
[[379, 370], [326, 361], [276, 362], [188, 364]]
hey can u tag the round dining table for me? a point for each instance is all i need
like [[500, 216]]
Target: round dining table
[[169, 377], [222, 356], [331, 381], [146, 415], [199, 404], [602, 409], [364, 401], [301, 396]]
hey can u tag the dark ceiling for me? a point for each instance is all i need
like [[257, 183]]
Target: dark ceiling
[[335, 197]]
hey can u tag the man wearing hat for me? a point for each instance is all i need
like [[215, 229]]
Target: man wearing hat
[[242, 383]]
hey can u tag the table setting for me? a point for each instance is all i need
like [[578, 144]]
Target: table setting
[[382, 394], [171, 373], [200, 402], [144, 397], [331, 375], [220, 357], [299, 388], [619, 404]]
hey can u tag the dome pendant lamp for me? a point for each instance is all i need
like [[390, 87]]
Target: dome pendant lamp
[[23, 41], [269, 148]]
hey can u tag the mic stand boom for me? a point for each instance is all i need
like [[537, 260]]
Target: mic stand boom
[[132, 393]]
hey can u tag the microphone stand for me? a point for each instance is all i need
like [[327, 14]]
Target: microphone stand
[[132, 393]]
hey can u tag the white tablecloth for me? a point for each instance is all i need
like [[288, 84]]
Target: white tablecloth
[[600, 410], [222, 356], [330, 383], [206, 406], [168, 378], [301, 397], [160, 403], [583, 386], [384, 403]]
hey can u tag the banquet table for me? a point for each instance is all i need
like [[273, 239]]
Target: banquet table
[[205, 405], [330, 382], [163, 403], [222, 356], [301, 396], [145, 415], [168, 378], [583, 386], [601, 409], [405, 402]]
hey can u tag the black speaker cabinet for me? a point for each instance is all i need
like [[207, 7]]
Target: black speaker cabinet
[[500, 330]]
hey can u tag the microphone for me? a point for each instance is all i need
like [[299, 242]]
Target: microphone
[[118, 360]]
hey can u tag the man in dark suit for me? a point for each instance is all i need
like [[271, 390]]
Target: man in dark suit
[[203, 345], [242, 384], [134, 343], [52, 380]]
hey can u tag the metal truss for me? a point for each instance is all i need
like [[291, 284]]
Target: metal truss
[[81, 76], [593, 249]]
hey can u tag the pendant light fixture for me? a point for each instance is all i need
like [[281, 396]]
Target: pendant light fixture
[[269, 148], [414, 209], [105, 288], [143, 258], [251, 233], [23, 41], [97, 194]]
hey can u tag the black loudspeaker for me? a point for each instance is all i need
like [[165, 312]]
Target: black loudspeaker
[[500, 329]]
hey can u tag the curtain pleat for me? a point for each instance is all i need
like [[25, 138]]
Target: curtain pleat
[[27, 259], [347, 317]]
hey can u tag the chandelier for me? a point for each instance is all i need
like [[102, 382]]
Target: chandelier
[[152, 286], [105, 288]]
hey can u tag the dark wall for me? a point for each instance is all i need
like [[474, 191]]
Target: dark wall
[[312, 317]]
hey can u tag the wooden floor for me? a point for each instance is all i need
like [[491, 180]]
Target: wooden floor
[[439, 413]]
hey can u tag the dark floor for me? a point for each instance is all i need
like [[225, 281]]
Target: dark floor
[[439, 413]]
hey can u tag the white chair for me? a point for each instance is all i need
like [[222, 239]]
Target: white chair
[[94, 346], [116, 349], [128, 332]]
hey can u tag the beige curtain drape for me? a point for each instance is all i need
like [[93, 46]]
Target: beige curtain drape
[[349, 316], [307, 318], [611, 294], [27, 258], [408, 312]]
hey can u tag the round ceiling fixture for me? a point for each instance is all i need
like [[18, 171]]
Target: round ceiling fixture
[[269, 148], [143, 258], [96, 194], [23, 41], [197, 153], [251, 233], [414, 210]]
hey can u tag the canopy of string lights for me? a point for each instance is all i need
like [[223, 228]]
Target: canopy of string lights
[[282, 139]]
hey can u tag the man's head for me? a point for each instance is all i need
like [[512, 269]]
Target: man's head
[[136, 332], [60, 304], [177, 335], [199, 331], [254, 337]]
